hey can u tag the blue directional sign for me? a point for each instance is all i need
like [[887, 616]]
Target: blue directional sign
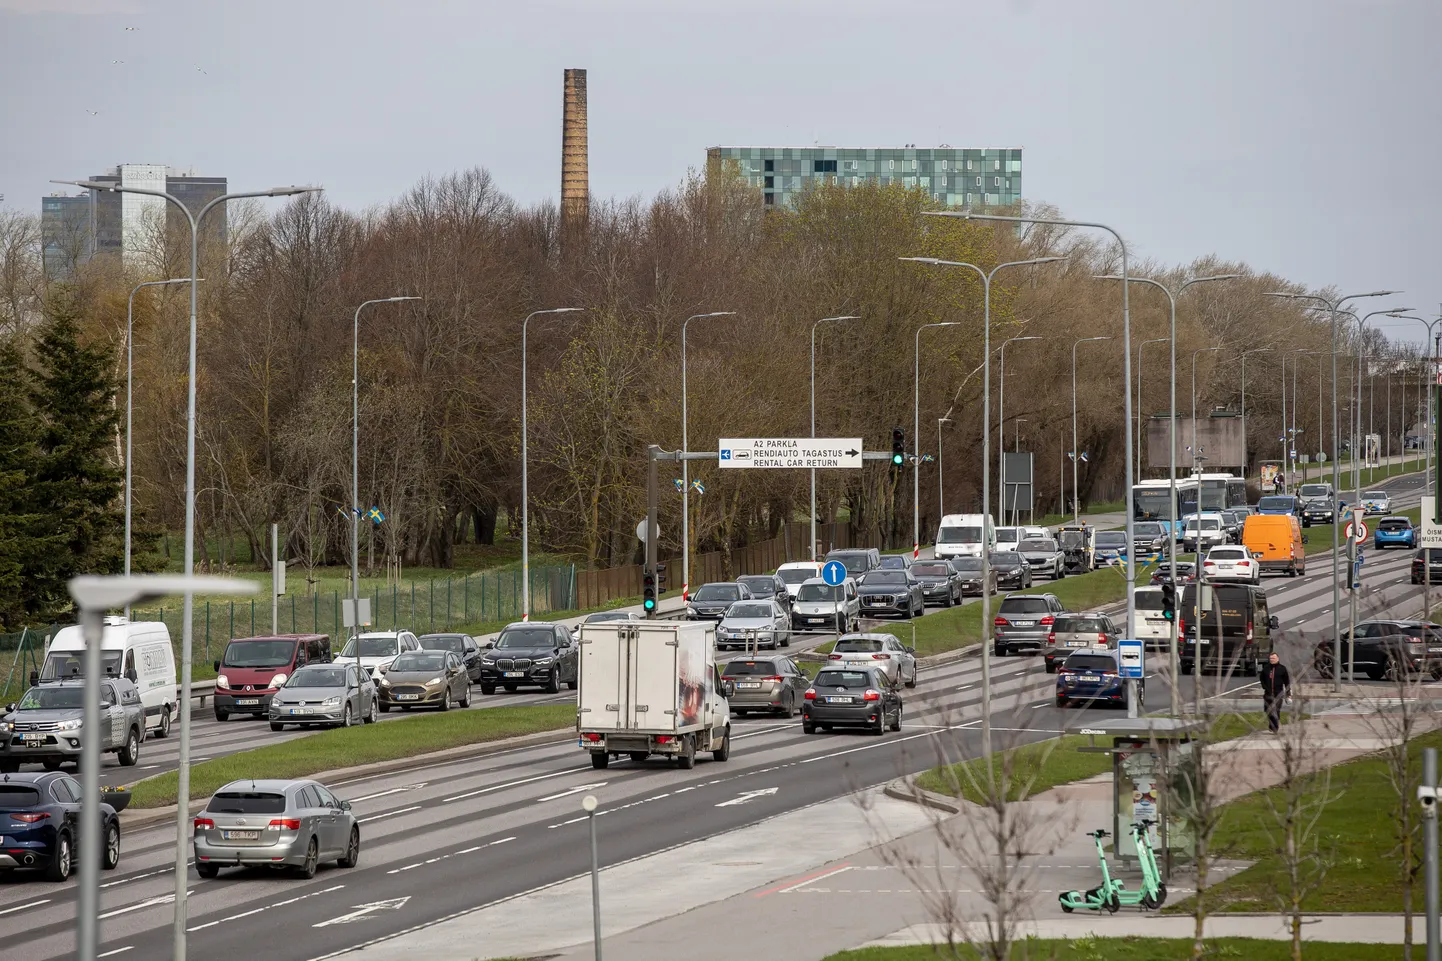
[[833, 572], [1129, 654]]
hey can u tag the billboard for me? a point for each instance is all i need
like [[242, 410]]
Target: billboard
[[1016, 481], [1219, 438]]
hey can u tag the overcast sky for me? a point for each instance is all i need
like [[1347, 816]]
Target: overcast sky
[[1300, 136]]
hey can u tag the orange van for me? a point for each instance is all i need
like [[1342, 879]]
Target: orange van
[[1275, 540]]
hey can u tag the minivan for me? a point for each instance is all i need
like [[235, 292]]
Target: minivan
[[140, 651], [820, 607], [252, 669], [1244, 640], [1149, 625]]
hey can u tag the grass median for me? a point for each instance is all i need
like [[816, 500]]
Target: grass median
[[1093, 948], [347, 747], [1319, 536]]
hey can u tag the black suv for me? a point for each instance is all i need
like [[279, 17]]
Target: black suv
[[1381, 645], [1319, 510], [890, 592], [530, 655], [941, 582], [1429, 569]]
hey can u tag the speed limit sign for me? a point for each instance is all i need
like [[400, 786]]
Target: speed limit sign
[[1361, 530]]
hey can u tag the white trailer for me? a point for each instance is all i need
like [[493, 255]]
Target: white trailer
[[652, 687]]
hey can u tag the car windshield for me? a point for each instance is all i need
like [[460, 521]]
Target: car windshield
[[1148, 529], [1025, 605], [796, 575], [1375, 495], [1072, 540], [604, 616], [819, 592], [246, 802], [419, 661], [1275, 504], [750, 667], [853, 561], [743, 609], [1096, 663], [444, 642], [935, 568], [1007, 535], [884, 579], [893, 562], [1313, 490], [760, 586], [1111, 540], [317, 677], [959, 535], [1149, 600], [717, 592], [1003, 560], [527, 638], [967, 565], [1228, 554], [1080, 625], [1204, 523], [852, 645], [372, 645], [1393, 524], [1038, 545], [52, 698], [258, 654], [842, 679]]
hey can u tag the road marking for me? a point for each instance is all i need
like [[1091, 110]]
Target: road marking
[[471, 850], [394, 790], [575, 790], [22, 907], [388, 814], [816, 876], [362, 910], [895, 740], [109, 954], [767, 730], [142, 905], [502, 787], [747, 796], [137, 877]]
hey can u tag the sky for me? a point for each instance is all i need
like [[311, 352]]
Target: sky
[[1299, 136]]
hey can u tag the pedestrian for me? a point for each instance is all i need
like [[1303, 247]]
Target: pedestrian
[[1276, 686]]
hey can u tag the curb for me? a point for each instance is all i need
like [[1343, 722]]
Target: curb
[[905, 789], [146, 817]]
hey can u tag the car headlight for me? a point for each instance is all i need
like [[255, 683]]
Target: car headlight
[[71, 725], [433, 681], [4, 727], [385, 682], [542, 661], [222, 681], [278, 680], [331, 702], [488, 659]]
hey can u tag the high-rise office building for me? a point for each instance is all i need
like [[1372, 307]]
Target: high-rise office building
[[77, 228], [956, 177]]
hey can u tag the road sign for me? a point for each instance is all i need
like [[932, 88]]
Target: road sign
[[1361, 531], [1430, 533], [792, 452], [1130, 654], [641, 531], [348, 612], [833, 572]]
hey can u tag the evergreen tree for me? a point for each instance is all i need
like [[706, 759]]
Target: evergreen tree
[[23, 532], [76, 486]]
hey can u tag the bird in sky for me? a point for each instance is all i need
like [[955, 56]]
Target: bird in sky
[[93, 113], [129, 29], [117, 61], [197, 67]]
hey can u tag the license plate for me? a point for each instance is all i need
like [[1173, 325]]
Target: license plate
[[1022, 623], [411, 697], [1076, 643], [840, 700], [515, 674], [246, 701], [748, 686], [1434, 650], [1156, 620], [1225, 566], [300, 710], [240, 835], [33, 738], [1091, 678], [816, 620]]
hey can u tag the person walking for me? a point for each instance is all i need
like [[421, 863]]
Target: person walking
[[1276, 686]]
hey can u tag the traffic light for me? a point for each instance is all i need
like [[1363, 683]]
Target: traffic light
[[1169, 602], [898, 446], [648, 591]]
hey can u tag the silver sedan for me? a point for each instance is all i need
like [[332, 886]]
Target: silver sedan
[[759, 622], [336, 695], [275, 824]]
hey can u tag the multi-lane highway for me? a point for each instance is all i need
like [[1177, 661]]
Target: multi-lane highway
[[446, 839]]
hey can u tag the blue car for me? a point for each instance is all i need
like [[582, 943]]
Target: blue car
[[1091, 675], [1394, 532], [39, 815]]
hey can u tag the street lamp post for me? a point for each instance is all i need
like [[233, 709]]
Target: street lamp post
[[1333, 307], [355, 508], [986, 278], [525, 480], [588, 804], [182, 813], [1140, 370], [940, 474], [686, 464], [1254, 350], [916, 440], [1075, 448], [1001, 428], [129, 406], [823, 320]]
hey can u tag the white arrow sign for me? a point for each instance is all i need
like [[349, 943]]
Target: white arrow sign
[[574, 790], [802, 452], [747, 796], [394, 904]]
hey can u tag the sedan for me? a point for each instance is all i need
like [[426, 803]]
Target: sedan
[[39, 814], [1394, 532], [1011, 570], [1044, 557], [754, 623], [1231, 564], [894, 593], [336, 695], [941, 583], [1109, 548], [1376, 502], [462, 645], [843, 697], [425, 679], [774, 684], [882, 652], [1094, 675], [275, 824]]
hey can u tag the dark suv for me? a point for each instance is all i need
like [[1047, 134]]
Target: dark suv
[[1381, 645], [1024, 622], [1427, 565], [894, 593], [531, 655]]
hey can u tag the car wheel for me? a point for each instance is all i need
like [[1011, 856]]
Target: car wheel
[[912, 682], [222, 716], [207, 870], [488, 689], [9, 767], [807, 727], [374, 714], [110, 854], [130, 753], [880, 727], [345, 718], [1061, 700], [896, 721], [1049, 665], [553, 682], [686, 760], [600, 760], [385, 708], [352, 849], [446, 698], [723, 752], [574, 682], [788, 706], [277, 726], [52, 763], [312, 859], [59, 867], [466, 698], [164, 729]]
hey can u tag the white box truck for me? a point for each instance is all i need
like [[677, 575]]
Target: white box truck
[[652, 687]]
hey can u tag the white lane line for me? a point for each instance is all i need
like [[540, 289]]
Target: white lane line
[[22, 907], [389, 814], [142, 905], [820, 877], [109, 954], [869, 747], [766, 730], [443, 857], [268, 907], [502, 787], [372, 797], [137, 877], [575, 790]]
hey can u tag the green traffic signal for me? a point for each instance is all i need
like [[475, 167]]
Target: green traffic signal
[[650, 604], [896, 459]]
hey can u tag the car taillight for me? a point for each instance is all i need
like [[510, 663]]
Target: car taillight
[[1000, 622], [591, 736], [1249, 630], [881, 657], [1048, 621], [1051, 638], [33, 818], [204, 824], [811, 694], [664, 738], [1103, 639], [1414, 640], [833, 657], [286, 824], [775, 677], [1182, 625], [871, 695]]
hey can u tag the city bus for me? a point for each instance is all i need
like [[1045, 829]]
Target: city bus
[[1221, 492], [1151, 500]]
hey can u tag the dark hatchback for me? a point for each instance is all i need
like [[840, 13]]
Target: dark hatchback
[[1094, 675], [1318, 510], [1427, 565], [851, 698], [40, 820], [1011, 569], [531, 655], [941, 583]]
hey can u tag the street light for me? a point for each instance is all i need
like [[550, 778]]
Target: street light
[[1075, 448], [1254, 350], [1001, 427], [813, 419], [985, 459], [525, 489], [355, 507], [916, 440], [1333, 306], [1140, 370], [187, 627], [129, 406], [686, 464], [93, 597], [588, 804], [940, 474]]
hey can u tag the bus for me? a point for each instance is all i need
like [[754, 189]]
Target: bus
[[1221, 492], [1151, 500]]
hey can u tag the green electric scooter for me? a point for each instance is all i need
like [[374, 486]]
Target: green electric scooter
[[1103, 897], [1153, 892]]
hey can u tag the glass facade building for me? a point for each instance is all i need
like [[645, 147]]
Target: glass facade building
[[954, 176]]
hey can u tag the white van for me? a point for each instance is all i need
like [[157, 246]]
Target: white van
[[964, 535], [140, 651]]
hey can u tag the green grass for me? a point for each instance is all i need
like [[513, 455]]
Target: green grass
[[1356, 839], [1138, 949], [346, 747], [1042, 765], [1319, 536]]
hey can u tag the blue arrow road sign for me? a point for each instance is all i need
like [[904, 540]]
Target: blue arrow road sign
[[833, 572]]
